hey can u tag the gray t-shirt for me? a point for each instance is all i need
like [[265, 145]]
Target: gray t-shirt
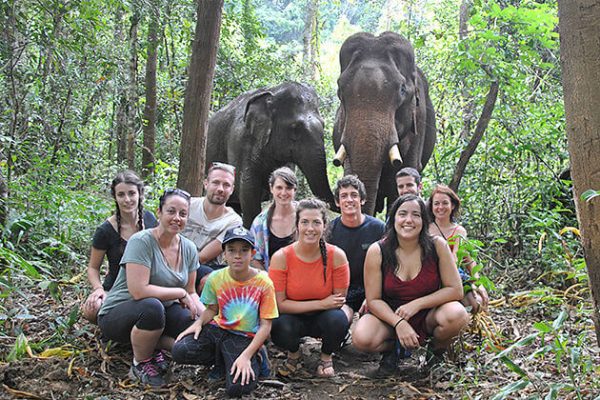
[[201, 230], [142, 248]]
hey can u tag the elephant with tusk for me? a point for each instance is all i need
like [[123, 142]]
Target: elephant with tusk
[[265, 129], [386, 119]]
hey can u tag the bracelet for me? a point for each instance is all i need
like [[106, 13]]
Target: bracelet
[[396, 324]]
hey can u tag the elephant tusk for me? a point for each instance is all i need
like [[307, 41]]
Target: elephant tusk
[[395, 157], [340, 156]]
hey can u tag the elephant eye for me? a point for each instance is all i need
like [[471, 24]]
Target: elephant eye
[[403, 90]]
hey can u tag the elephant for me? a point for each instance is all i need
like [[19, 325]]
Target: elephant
[[265, 129], [386, 119]]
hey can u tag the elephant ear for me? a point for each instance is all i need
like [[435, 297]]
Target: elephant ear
[[258, 119]]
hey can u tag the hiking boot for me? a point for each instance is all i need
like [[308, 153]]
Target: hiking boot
[[389, 360], [388, 364], [265, 367], [147, 373], [161, 362]]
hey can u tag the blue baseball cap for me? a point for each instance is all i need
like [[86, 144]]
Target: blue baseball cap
[[238, 233]]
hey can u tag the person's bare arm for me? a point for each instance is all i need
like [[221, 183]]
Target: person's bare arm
[[242, 366], [138, 283], [211, 251]]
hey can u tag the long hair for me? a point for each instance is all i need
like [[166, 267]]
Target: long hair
[[130, 178], [315, 204], [454, 200], [289, 178], [390, 239]]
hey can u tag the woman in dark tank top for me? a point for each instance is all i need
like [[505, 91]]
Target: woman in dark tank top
[[412, 287], [274, 228], [110, 238]]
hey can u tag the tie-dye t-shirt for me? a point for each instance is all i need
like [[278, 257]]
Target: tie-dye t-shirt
[[241, 304]]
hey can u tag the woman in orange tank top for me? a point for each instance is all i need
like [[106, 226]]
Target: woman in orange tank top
[[311, 279]]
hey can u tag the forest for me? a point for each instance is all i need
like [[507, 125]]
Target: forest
[[89, 88]]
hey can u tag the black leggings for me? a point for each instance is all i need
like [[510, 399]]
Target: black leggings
[[147, 314], [220, 347], [330, 325]]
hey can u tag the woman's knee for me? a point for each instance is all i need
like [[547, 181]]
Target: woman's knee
[[364, 335], [452, 317], [284, 332], [152, 314]]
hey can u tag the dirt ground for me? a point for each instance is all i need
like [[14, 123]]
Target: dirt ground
[[77, 367]]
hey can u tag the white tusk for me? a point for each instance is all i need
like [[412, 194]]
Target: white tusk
[[395, 157], [340, 156]]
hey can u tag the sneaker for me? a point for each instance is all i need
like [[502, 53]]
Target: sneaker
[[265, 367], [147, 373], [216, 373], [159, 359]]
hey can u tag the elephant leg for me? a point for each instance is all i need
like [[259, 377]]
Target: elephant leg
[[250, 194]]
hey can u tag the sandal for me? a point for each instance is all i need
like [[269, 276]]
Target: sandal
[[322, 366], [289, 367]]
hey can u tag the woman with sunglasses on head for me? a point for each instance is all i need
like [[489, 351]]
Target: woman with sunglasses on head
[[444, 207], [153, 299], [311, 280], [274, 228], [110, 238], [412, 288]]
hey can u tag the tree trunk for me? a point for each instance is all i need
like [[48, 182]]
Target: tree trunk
[[310, 39], [150, 108], [579, 50], [120, 104], [132, 89], [484, 120], [468, 103], [196, 106]]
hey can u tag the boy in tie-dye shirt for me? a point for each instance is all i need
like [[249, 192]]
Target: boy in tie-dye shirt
[[240, 304]]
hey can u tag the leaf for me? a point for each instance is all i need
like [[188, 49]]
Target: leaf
[[589, 195], [575, 231], [542, 327], [513, 367], [58, 352], [558, 322], [513, 387], [526, 341]]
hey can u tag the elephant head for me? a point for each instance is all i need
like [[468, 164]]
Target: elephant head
[[385, 117], [271, 128]]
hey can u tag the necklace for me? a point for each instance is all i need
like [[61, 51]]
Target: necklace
[[173, 267]]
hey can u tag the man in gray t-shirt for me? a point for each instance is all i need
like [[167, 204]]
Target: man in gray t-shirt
[[210, 218]]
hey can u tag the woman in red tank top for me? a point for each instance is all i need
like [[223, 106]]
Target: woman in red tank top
[[311, 279], [444, 206], [412, 288]]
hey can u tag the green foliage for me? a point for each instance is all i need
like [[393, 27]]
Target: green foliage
[[550, 340]]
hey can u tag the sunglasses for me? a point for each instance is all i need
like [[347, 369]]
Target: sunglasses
[[177, 191]]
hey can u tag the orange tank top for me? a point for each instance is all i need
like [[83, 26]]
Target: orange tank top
[[306, 280]]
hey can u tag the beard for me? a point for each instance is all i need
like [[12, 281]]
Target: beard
[[215, 199]]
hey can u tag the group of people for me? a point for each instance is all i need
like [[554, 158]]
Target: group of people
[[196, 283]]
